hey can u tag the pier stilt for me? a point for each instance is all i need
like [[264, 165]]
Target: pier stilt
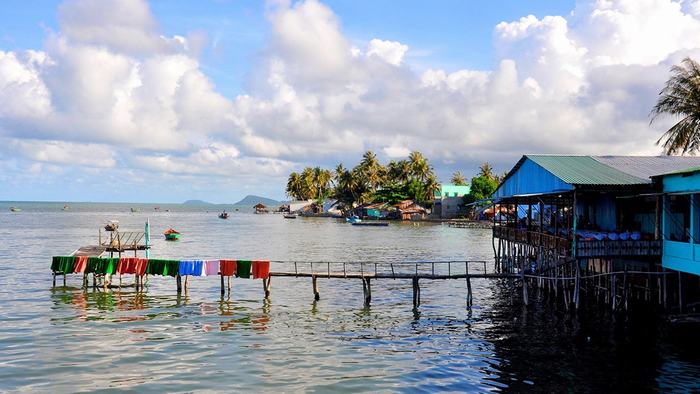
[[54, 279], [267, 285], [64, 280], [469, 291], [178, 280], [524, 281], [222, 285], [314, 283], [416, 292], [367, 287]]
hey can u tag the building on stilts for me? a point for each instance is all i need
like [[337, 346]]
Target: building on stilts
[[601, 227]]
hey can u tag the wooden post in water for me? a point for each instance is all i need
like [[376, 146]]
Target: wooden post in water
[[314, 283], [624, 288], [469, 291], [178, 281], [222, 284], [267, 285], [577, 288], [416, 290], [368, 292], [524, 281]]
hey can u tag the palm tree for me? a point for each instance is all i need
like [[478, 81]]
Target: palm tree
[[420, 169], [680, 98], [486, 170], [294, 186], [371, 170], [308, 187], [458, 179]]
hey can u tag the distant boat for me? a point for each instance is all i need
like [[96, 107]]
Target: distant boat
[[134, 210], [65, 207], [112, 225], [290, 216], [223, 215], [353, 219], [171, 235], [15, 209], [371, 224]]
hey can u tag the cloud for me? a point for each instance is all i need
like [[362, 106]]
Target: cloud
[[110, 86]]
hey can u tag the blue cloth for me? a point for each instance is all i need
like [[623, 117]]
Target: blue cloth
[[191, 267]]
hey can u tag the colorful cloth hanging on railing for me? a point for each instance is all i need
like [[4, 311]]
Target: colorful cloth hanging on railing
[[191, 267], [163, 267], [258, 269], [211, 267], [103, 266], [80, 264], [261, 269], [228, 267], [243, 268], [63, 264]]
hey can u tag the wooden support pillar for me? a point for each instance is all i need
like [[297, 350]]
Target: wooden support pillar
[[228, 284], [222, 285], [577, 287], [613, 290], [624, 288], [267, 285], [524, 282], [178, 280], [64, 279], [54, 279], [314, 283], [680, 292], [416, 292], [469, 291], [368, 291]]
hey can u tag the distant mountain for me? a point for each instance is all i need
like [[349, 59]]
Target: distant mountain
[[252, 200], [196, 202]]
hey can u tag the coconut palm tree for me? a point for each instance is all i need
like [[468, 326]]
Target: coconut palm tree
[[294, 186], [308, 186], [680, 98], [420, 169], [486, 171], [371, 171], [458, 179]]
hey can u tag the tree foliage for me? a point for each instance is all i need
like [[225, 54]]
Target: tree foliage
[[680, 98]]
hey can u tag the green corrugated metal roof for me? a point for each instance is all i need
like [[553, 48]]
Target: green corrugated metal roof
[[684, 171], [584, 170]]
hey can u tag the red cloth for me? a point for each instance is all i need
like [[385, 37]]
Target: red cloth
[[80, 264], [140, 266], [127, 265], [227, 267], [261, 269]]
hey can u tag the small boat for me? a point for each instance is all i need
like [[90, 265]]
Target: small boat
[[171, 235], [353, 219], [223, 215], [112, 225], [372, 224], [15, 209], [135, 210], [290, 216], [66, 207]]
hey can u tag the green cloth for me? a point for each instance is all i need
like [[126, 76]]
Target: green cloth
[[97, 265], [64, 264], [243, 268], [163, 267]]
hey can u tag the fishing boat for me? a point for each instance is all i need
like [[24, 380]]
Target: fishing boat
[[353, 219], [112, 225], [223, 215], [66, 207], [135, 210], [15, 209], [290, 216], [171, 235]]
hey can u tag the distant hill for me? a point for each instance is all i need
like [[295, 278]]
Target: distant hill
[[196, 202], [252, 200]]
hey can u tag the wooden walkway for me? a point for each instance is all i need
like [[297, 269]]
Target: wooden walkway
[[368, 271]]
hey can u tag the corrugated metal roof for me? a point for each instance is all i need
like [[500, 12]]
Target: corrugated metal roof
[[647, 166], [585, 170], [683, 171]]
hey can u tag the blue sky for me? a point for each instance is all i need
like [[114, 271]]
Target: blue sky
[[165, 101]]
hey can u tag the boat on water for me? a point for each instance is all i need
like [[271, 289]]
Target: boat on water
[[66, 207], [134, 210], [15, 209], [353, 219], [371, 224], [171, 234], [223, 215], [290, 216], [112, 225]]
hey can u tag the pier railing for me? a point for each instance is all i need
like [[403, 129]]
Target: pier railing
[[452, 269]]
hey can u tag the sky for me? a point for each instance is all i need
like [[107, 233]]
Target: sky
[[164, 101]]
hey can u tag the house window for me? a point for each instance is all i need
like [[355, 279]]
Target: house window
[[679, 218]]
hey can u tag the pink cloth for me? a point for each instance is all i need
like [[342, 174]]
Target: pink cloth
[[211, 267], [80, 264]]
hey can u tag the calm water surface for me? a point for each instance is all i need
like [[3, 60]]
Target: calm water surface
[[66, 340]]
